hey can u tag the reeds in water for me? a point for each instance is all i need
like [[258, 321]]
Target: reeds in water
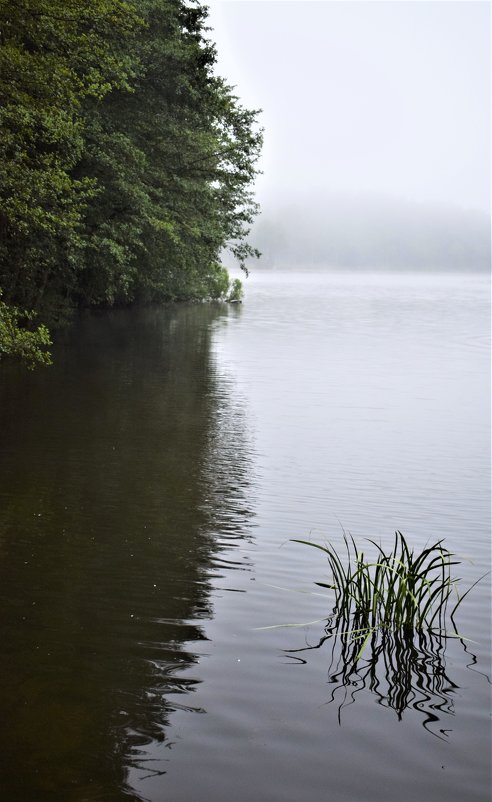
[[397, 591]]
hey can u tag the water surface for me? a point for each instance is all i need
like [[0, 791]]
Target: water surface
[[149, 485]]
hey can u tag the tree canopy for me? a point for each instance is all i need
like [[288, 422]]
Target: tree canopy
[[126, 163]]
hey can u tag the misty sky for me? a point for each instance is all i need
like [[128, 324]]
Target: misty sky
[[364, 98]]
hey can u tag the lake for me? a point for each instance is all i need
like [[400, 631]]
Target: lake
[[151, 483]]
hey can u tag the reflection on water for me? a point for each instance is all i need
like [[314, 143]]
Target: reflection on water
[[402, 669], [116, 466], [133, 475]]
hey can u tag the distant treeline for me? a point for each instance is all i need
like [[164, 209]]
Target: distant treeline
[[126, 164], [376, 234]]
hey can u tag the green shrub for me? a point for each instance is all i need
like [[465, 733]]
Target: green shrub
[[236, 292], [19, 341]]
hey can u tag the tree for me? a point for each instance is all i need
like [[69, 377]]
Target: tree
[[174, 160], [126, 164], [53, 55]]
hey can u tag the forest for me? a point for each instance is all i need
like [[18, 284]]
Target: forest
[[126, 163]]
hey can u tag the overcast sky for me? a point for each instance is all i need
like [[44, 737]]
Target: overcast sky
[[361, 98]]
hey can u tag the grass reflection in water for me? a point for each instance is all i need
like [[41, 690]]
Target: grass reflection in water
[[389, 626]]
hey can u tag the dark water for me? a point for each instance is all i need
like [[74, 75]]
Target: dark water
[[149, 484]]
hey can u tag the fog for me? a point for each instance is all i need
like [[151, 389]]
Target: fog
[[372, 233], [377, 128]]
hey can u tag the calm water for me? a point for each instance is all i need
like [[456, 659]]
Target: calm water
[[149, 485]]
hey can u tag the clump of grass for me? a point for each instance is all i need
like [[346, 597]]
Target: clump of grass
[[398, 591]]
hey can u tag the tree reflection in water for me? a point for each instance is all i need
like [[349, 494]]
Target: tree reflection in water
[[124, 477]]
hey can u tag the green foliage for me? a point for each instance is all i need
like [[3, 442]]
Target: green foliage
[[236, 292], [174, 159], [125, 162], [18, 341], [54, 54], [218, 282]]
